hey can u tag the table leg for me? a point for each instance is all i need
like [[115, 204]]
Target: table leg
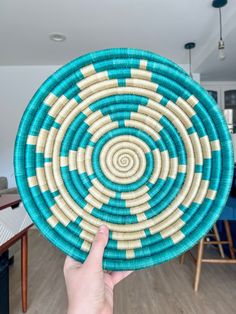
[[24, 270]]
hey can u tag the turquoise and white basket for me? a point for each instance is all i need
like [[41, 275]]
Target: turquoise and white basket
[[123, 137]]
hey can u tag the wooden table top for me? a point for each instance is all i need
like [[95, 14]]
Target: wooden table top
[[8, 200]]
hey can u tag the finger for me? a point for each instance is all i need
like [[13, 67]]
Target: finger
[[117, 276], [95, 256], [70, 263]]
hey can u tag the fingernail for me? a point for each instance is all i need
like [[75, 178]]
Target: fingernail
[[103, 229]]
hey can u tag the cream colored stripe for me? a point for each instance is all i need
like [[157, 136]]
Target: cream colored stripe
[[42, 138], [88, 208], [64, 112], [52, 220], [63, 161], [197, 148], [87, 112], [50, 99], [40, 172], [131, 195], [164, 161], [201, 192], [182, 168], [93, 201], [99, 123], [97, 77], [32, 140], [141, 74], [103, 130], [206, 148], [88, 70], [192, 100], [150, 112], [185, 106], [127, 245], [193, 190], [57, 107], [143, 64], [141, 84], [88, 158], [130, 254], [70, 214], [170, 220], [139, 209], [32, 181], [180, 114], [128, 235], [211, 194], [102, 188], [138, 201], [50, 142], [44, 188], [98, 195], [173, 167], [72, 160], [85, 235], [177, 237], [215, 145], [85, 246], [93, 117], [143, 127], [141, 217], [172, 229], [46, 176], [157, 166], [58, 213], [88, 227], [98, 87], [80, 160], [148, 121]]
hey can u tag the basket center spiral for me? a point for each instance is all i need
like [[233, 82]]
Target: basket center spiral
[[122, 160]]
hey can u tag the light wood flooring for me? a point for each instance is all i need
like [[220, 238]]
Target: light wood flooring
[[165, 289]]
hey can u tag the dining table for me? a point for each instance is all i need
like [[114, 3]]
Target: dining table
[[9, 207]]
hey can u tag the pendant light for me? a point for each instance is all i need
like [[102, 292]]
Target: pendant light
[[189, 46], [218, 4]]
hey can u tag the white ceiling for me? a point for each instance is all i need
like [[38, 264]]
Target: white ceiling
[[162, 26]]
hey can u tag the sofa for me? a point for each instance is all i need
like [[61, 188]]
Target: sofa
[[4, 187]]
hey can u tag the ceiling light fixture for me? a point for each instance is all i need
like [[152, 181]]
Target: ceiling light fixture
[[218, 4], [189, 46], [57, 37]]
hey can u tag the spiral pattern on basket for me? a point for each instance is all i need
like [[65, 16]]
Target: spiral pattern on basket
[[126, 138]]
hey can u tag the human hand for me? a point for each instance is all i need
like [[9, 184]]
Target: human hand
[[89, 288]]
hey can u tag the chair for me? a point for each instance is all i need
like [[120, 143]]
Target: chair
[[228, 213]]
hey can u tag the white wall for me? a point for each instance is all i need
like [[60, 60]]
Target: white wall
[[17, 86]]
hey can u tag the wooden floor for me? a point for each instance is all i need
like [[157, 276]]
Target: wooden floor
[[165, 289]]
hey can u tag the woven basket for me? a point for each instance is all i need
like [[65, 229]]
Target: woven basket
[[123, 137]]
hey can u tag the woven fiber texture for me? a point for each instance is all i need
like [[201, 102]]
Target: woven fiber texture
[[123, 137]]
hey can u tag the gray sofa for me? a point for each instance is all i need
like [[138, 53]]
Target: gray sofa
[[4, 187]]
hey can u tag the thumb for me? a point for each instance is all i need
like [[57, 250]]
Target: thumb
[[94, 259]]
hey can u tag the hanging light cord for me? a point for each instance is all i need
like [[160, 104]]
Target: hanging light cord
[[220, 24], [190, 62]]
